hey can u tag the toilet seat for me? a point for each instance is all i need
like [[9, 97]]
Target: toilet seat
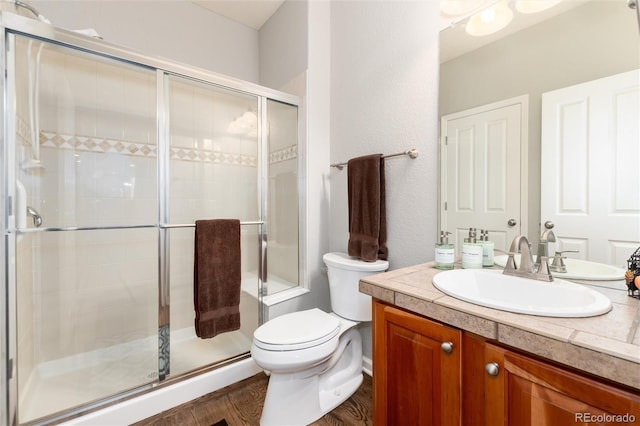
[[297, 330]]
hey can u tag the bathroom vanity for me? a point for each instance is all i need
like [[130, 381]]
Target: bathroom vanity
[[442, 361]]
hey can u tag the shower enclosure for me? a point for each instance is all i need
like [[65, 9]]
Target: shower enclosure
[[108, 158]]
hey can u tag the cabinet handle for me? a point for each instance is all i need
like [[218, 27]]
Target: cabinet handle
[[447, 347], [492, 368]]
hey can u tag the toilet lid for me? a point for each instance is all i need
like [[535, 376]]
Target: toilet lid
[[297, 330], [344, 261]]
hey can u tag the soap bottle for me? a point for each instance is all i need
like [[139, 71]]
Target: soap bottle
[[487, 248], [472, 251], [444, 252]]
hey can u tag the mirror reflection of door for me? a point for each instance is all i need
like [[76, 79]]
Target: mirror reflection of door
[[482, 153], [590, 158]]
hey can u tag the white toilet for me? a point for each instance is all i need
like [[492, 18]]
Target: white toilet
[[315, 358]]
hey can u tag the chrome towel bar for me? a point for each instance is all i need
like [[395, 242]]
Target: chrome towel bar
[[412, 153], [193, 225], [115, 227]]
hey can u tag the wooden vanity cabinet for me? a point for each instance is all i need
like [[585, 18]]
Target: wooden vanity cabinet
[[529, 391], [478, 383], [416, 369]]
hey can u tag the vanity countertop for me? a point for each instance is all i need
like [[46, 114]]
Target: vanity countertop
[[606, 345]]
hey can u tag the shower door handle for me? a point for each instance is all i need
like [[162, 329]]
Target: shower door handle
[[37, 219]]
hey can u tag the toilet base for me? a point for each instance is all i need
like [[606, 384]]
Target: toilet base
[[330, 399], [303, 397]]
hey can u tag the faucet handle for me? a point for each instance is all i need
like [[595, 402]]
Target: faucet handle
[[567, 251], [544, 270], [558, 264], [511, 262]]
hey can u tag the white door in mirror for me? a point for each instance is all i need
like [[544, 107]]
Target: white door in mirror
[[590, 160], [481, 179]]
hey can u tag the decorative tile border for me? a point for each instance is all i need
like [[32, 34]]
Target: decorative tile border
[[288, 153], [88, 143], [217, 157], [106, 145]]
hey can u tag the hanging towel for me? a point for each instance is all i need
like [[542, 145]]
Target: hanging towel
[[216, 276], [367, 213]]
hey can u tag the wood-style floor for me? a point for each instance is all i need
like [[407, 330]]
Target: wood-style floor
[[241, 403]]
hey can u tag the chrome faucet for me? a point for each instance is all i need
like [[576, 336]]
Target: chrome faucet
[[543, 246], [527, 268]]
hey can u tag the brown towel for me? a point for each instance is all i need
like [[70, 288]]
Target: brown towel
[[367, 213], [216, 277]]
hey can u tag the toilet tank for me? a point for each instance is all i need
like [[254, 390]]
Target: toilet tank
[[344, 274]]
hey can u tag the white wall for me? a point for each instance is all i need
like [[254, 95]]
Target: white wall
[[173, 29], [384, 80], [372, 87], [307, 74], [283, 44]]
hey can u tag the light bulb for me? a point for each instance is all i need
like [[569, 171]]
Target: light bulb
[[490, 20], [488, 15]]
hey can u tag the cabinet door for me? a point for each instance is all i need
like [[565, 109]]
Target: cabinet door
[[479, 386], [416, 378], [538, 393]]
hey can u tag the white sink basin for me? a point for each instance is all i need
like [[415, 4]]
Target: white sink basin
[[578, 269], [491, 288]]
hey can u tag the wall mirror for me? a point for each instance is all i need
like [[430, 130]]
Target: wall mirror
[[580, 42]]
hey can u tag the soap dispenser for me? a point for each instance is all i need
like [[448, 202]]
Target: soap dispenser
[[487, 248], [472, 251], [444, 252]]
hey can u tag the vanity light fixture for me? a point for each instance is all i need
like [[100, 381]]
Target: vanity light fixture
[[535, 6], [490, 20]]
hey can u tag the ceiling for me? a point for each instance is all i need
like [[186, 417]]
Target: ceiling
[[252, 13]]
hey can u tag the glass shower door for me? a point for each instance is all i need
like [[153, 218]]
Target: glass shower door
[[86, 274], [213, 173], [282, 201]]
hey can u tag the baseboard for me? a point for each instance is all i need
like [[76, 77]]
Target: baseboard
[[367, 366]]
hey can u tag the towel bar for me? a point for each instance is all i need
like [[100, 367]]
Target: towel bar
[[116, 227], [193, 225], [412, 153], [80, 228]]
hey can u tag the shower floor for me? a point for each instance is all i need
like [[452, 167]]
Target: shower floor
[[63, 384]]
